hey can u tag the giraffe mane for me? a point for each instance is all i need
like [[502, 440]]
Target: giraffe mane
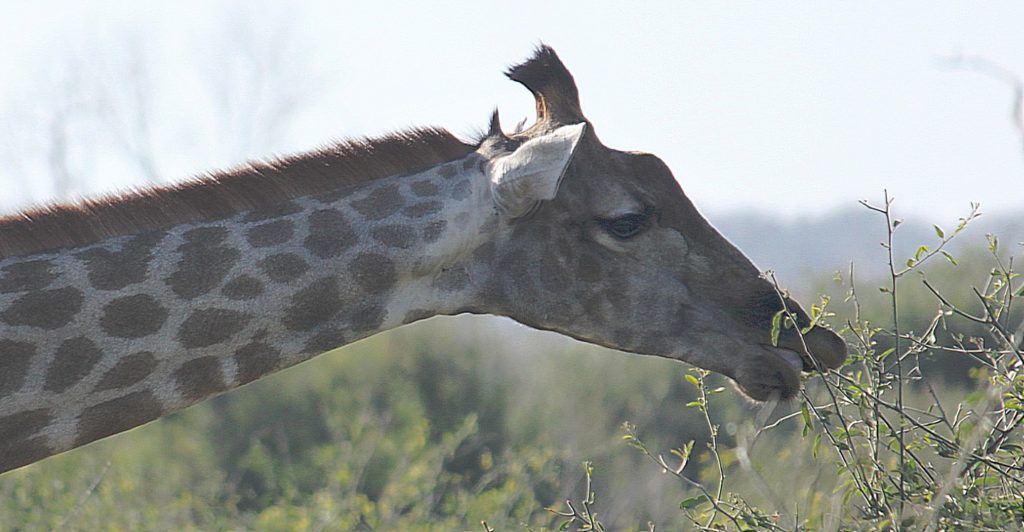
[[252, 185]]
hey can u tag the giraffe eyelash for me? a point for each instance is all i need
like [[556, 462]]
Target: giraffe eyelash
[[628, 225]]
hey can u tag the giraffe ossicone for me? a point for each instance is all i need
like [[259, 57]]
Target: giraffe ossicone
[[118, 311]]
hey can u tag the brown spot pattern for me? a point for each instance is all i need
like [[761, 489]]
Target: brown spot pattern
[[433, 230], [117, 415], [283, 267], [275, 211], [270, 233], [424, 189], [332, 197], [72, 362], [128, 371], [329, 233], [396, 236], [416, 315], [451, 279], [514, 267], [207, 327], [114, 270], [313, 305], [134, 316], [366, 318], [199, 378], [420, 210], [46, 309], [462, 190], [380, 203], [448, 171], [25, 276], [204, 263], [243, 287], [23, 425], [255, 186], [325, 340], [373, 272], [14, 361], [255, 360], [22, 452]]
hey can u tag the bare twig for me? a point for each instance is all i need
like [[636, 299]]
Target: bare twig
[[84, 497]]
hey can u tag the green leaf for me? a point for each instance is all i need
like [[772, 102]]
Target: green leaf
[[777, 327], [683, 453], [949, 258], [920, 251], [938, 232], [692, 380], [692, 502]]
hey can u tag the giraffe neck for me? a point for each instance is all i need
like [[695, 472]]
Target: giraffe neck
[[100, 338]]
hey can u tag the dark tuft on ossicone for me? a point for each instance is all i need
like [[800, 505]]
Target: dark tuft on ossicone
[[553, 87]]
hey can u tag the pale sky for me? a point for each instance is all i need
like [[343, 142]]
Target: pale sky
[[790, 108]]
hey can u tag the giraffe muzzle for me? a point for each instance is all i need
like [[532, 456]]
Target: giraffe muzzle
[[819, 349]]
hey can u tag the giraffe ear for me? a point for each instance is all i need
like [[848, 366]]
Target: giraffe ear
[[531, 174]]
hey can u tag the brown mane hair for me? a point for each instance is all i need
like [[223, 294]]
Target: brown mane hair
[[248, 186]]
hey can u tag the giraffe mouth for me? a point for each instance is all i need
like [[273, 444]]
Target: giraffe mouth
[[818, 350], [798, 362], [774, 375], [778, 376]]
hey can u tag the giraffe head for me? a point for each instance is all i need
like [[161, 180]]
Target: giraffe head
[[604, 246]]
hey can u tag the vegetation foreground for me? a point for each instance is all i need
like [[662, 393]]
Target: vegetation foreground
[[479, 424]]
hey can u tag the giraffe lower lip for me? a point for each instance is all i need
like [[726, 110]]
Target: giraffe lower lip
[[790, 357]]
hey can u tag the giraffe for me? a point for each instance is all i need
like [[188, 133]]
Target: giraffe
[[115, 312]]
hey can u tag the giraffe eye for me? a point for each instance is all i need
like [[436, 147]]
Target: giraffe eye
[[626, 226]]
